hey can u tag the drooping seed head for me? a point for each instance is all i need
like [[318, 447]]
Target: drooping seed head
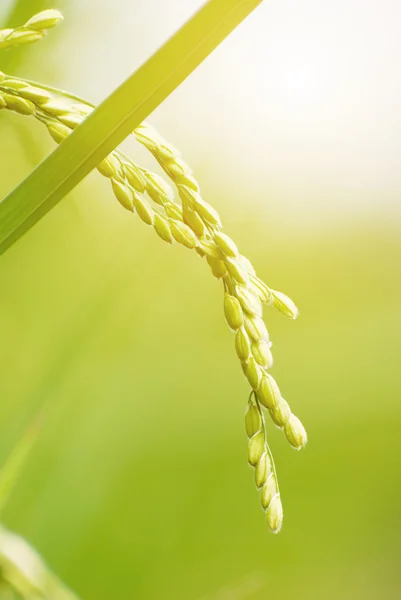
[[195, 225]]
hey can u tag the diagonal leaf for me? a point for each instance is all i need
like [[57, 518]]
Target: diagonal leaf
[[118, 115]]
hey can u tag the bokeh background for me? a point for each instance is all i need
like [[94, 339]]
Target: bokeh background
[[138, 486]]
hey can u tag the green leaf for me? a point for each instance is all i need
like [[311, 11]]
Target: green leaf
[[12, 468], [118, 115]]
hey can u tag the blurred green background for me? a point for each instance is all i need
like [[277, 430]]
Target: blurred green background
[[139, 486]]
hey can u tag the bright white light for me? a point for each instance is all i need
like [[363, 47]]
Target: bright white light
[[304, 97]]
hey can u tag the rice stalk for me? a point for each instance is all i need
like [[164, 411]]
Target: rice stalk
[[195, 224]]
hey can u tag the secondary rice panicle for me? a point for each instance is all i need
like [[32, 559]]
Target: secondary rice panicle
[[32, 31], [195, 224]]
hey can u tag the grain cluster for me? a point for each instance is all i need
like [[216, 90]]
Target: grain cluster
[[177, 212]]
